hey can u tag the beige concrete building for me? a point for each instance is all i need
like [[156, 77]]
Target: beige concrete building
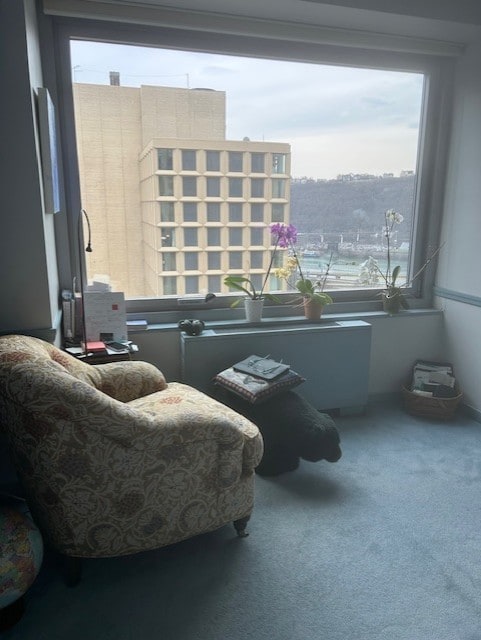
[[173, 205]]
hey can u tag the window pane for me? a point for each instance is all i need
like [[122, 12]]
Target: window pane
[[256, 259], [168, 261], [164, 159], [189, 186], [235, 260], [235, 187], [167, 236], [190, 211], [257, 281], [278, 163], [278, 212], [169, 284], [257, 188], [278, 258], [188, 160], [235, 236], [190, 237], [213, 237], [235, 161], [351, 145], [213, 261], [166, 185], [235, 212], [212, 160], [214, 284], [191, 284], [257, 213], [191, 261], [257, 235], [213, 187], [213, 212], [167, 212], [257, 163], [279, 188]]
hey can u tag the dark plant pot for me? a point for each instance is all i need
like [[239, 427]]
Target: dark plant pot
[[391, 303]]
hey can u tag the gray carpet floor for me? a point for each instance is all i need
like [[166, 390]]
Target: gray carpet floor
[[384, 544]]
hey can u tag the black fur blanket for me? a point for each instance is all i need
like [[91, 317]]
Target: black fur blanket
[[291, 428]]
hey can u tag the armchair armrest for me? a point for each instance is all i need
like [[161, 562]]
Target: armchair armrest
[[129, 379], [181, 415]]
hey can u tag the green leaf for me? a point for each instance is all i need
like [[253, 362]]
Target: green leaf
[[235, 282], [321, 298], [395, 274], [271, 297], [231, 280], [305, 287]]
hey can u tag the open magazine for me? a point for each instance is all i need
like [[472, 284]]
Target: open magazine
[[261, 367]]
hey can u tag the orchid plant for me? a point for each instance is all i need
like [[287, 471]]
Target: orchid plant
[[314, 291], [393, 293]]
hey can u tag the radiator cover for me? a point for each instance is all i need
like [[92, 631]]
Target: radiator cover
[[334, 358]]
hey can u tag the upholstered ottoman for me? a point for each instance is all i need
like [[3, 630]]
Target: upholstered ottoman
[[21, 554]]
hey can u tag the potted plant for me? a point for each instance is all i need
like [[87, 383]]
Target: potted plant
[[314, 298], [254, 300], [393, 296]]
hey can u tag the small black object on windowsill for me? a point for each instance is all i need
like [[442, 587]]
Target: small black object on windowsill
[[192, 327]]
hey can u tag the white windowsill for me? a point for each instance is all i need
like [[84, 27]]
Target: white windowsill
[[239, 322]]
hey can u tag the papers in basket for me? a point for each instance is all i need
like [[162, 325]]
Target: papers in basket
[[433, 379]]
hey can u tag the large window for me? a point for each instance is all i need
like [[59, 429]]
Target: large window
[[326, 147]]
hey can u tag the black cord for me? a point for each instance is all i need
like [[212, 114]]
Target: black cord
[[88, 248]]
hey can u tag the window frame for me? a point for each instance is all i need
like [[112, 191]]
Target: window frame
[[434, 132]]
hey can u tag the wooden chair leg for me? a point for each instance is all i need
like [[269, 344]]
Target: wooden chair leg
[[240, 526], [72, 570]]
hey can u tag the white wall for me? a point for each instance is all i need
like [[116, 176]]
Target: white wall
[[397, 342], [460, 261]]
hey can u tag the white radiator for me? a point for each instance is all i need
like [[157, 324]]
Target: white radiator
[[333, 357]]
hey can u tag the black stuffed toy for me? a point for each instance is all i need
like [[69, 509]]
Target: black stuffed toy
[[291, 428]]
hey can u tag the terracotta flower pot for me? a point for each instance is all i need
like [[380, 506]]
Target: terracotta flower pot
[[312, 310]]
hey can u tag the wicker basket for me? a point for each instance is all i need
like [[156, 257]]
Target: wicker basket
[[427, 407]]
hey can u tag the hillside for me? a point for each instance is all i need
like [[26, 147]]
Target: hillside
[[353, 206]]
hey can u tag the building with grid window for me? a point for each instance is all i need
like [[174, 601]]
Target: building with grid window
[[174, 206]]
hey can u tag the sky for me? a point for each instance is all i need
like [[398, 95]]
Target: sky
[[338, 120]]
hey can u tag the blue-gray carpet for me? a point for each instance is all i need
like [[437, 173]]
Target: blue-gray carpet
[[383, 545]]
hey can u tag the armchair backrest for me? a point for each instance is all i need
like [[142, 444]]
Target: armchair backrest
[[16, 350]]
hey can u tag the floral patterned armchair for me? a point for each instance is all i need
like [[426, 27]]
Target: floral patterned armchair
[[113, 460]]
